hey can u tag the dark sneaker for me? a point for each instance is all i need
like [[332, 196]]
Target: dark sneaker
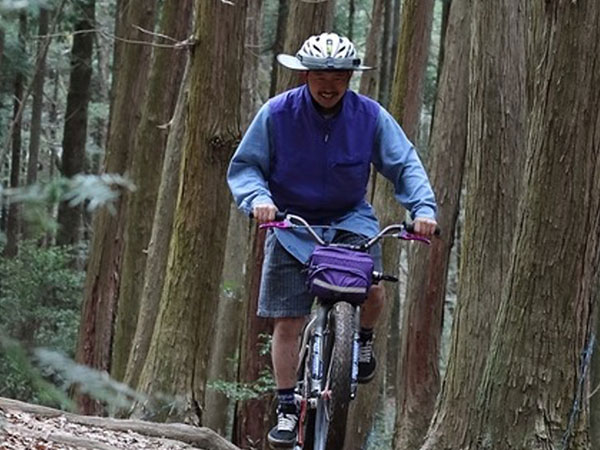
[[366, 361], [284, 434]]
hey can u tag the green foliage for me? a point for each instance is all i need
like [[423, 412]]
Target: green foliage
[[98, 385], [39, 304], [245, 391], [39, 296], [92, 190], [23, 381]]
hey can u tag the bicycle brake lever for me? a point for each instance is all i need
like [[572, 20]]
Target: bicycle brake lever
[[281, 224], [407, 236]]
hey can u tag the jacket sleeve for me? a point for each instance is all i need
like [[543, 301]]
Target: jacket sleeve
[[249, 168], [397, 159]]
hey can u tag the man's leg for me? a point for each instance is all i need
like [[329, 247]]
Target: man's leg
[[371, 309], [284, 351], [370, 312]]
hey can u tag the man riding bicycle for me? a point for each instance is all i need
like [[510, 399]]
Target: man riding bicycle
[[308, 151]]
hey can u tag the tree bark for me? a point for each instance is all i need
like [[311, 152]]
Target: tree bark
[[164, 81], [397, 25], [230, 314], [386, 49], [191, 287], [103, 274], [304, 19], [369, 80], [282, 17], [351, 11], [363, 408], [76, 118], [104, 50], [225, 357], [428, 266], [252, 416], [405, 107], [497, 132], [537, 370], [158, 247], [13, 222], [250, 100], [1, 46], [411, 61], [38, 99]]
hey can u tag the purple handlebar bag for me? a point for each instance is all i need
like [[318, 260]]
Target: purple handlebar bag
[[336, 273]]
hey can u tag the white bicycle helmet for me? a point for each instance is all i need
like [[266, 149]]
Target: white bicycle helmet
[[326, 51]]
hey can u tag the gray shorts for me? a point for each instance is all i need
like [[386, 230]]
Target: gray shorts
[[283, 290]]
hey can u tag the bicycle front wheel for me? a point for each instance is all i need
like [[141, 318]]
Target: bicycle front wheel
[[332, 408]]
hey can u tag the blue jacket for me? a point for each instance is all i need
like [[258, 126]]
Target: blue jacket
[[318, 167]]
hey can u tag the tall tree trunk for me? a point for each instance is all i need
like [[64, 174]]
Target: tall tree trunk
[[428, 266], [191, 287], [304, 19], [250, 100], [282, 17], [230, 312], [145, 168], [103, 274], [225, 357], [252, 416], [534, 389], [38, 99], [411, 61], [362, 409], [405, 106], [385, 81], [98, 128], [13, 222], [369, 80], [53, 126], [158, 247], [497, 132], [351, 12], [1, 45], [76, 118], [397, 15]]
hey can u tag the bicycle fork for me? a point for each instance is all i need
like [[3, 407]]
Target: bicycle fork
[[317, 353], [355, 352]]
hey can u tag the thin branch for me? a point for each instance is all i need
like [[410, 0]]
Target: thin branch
[[151, 33], [178, 44]]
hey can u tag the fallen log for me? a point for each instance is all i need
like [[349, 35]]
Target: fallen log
[[199, 437]]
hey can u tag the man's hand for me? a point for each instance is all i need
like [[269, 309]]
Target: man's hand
[[424, 226], [264, 213]]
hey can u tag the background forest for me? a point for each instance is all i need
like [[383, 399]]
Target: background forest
[[128, 280]]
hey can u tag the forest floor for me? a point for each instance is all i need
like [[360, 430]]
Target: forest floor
[[30, 427]]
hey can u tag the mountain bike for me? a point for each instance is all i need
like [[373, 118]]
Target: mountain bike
[[329, 346]]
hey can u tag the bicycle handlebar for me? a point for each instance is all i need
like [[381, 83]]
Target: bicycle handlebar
[[401, 231]]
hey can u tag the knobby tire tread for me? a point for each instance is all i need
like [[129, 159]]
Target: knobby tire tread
[[342, 327]]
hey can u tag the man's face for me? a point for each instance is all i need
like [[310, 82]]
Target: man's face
[[328, 87]]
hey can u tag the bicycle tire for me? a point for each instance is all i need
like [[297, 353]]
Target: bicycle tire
[[308, 427], [338, 369]]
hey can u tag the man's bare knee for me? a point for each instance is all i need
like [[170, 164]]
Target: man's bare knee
[[288, 328], [376, 295]]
